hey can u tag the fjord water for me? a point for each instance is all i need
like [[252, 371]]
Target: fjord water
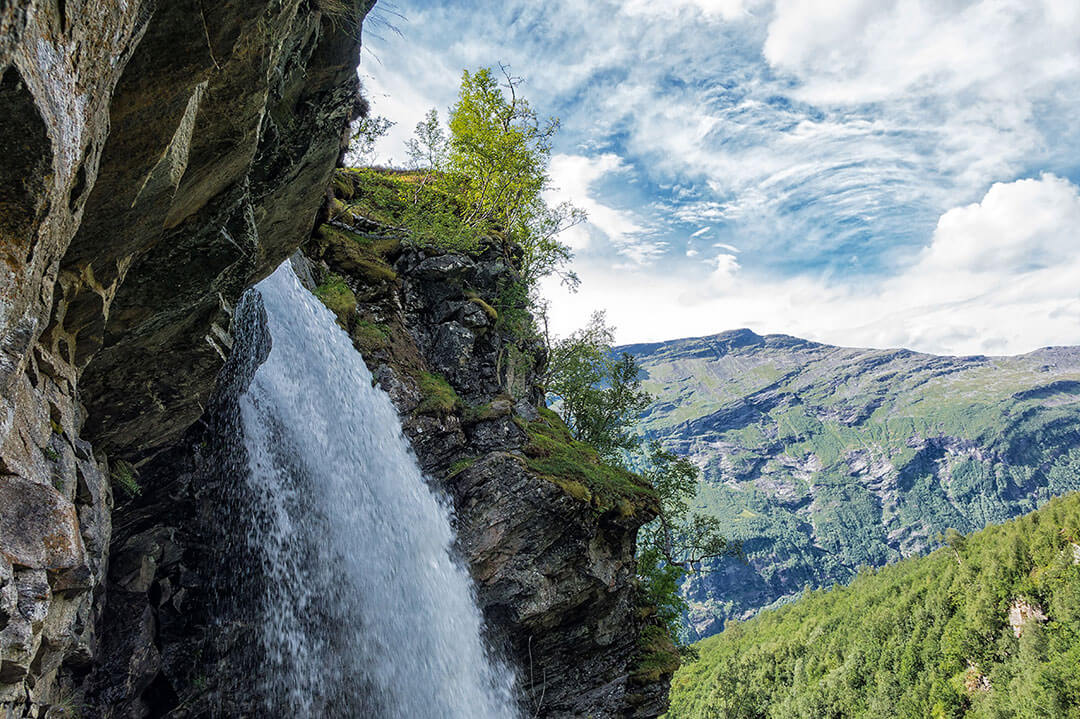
[[364, 610]]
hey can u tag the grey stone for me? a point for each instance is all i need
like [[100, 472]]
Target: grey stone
[[453, 347]]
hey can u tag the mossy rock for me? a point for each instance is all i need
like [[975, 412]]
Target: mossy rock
[[580, 471], [490, 311], [371, 337], [437, 396], [338, 298], [659, 656], [358, 256], [343, 184], [502, 406], [374, 272]]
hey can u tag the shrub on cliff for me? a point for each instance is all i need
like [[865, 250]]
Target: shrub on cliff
[[598, 393]]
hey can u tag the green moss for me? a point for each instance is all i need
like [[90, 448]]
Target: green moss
[[378, 247], [371, 337], [124, 478], [490, 311], [360, 256], [376, 272], [338, 298], [438, 397], [575, 466], [50, 454], [460, 466], [659, 656]]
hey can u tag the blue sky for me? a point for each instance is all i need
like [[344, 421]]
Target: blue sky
[[860, 172]]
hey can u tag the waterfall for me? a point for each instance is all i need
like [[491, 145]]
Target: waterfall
[[364, 610]]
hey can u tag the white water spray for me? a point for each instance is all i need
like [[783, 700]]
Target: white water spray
[[364, 610]]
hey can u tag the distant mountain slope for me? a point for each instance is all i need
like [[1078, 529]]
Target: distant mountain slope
[[821, 458], [986, 628]]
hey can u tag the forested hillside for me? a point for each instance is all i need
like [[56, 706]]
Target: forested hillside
[[987, 626], [821, 459]]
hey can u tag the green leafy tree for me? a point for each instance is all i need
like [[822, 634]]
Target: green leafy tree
[[500, 145], [369, 130], [428, 147], [599, 395], [678, 541], [499, 149], [599, 392]]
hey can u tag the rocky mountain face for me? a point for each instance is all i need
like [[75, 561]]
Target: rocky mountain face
[[553, 565], [821, 459], [160, 158]]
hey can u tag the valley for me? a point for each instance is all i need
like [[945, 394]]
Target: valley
[[821, 459]]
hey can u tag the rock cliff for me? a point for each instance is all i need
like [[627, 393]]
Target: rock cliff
[[159, 159]]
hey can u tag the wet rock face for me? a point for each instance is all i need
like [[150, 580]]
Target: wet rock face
[[158, 158], [54, 536], [225, 128], [554, 576]]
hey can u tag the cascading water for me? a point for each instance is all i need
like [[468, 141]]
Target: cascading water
[[364, 611]]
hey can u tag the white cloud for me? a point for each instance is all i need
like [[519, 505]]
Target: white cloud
[[572, 178], [726, 267], [999, 276], [713, 9], [1018, 226], [872, 50]]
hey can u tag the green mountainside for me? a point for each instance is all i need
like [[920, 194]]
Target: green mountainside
[[821, 459], [988, 626]]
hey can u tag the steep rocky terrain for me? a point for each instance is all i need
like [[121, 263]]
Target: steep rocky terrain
[[821, 459], [551, 550], [159, 159]]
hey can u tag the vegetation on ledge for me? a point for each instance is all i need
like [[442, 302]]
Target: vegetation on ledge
[[438, 396], [578, 468], [431, 211], [988, 626]]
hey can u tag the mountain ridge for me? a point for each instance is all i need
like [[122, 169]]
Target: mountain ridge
[[822, 458]]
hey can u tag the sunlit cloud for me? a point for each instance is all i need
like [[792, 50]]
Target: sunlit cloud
[[846, 149], [998, 276]]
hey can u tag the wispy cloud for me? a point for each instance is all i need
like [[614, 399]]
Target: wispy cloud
[[831, 142], [997, 276]]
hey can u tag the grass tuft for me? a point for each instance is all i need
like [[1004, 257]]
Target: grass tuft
[[124, 478], [438, 397], [460, 466]]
